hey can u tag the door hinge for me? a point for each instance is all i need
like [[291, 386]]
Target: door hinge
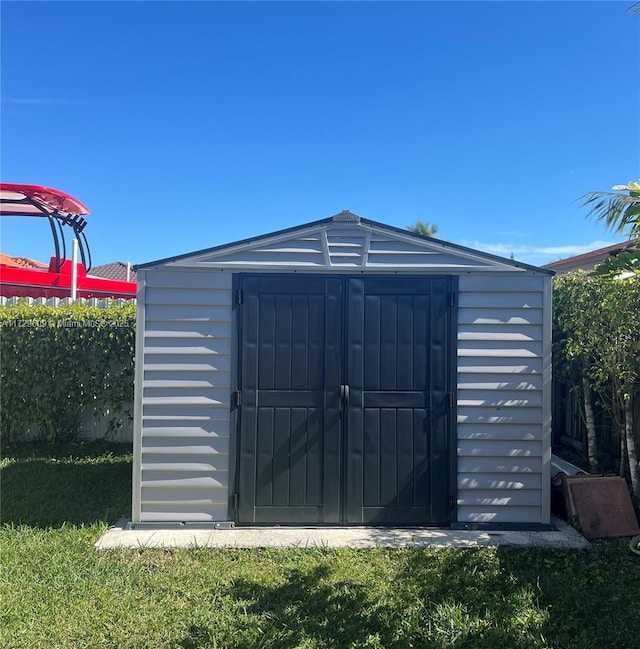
[[239, 296], [452, 503], [452, 299], [451, 399], [234, 501], [236, 398]]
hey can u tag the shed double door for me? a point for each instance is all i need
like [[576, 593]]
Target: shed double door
[[344, 404]]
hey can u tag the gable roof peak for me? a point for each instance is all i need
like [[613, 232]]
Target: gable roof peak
[[346, 215]]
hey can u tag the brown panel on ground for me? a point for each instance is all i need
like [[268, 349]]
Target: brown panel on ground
[[601, 506]]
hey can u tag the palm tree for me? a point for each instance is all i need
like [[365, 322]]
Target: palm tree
[[619, 211], [423, 228]]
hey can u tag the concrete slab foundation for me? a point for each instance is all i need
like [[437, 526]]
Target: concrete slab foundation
[[562, 537]]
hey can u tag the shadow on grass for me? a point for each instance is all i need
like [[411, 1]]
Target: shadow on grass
[[435, 599], [311, 608], [472, 599], [591, 597], [79, 484]]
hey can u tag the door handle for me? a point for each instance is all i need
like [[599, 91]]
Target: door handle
[[344, 398]]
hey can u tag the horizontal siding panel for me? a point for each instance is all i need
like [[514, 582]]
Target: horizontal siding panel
[[500, 300], [310, 264], [342, 257], [187, 351], [206, 497], [189, 380], [186, 412], [187, 363], [390, 247], [499, 448], [466, 351], [186, 396], [507, 416], [185, 402], [500, 316], [488, 381], [178, 427], [500, 498], [478, 283], [297, 246], [197, 416], [491, 481], [500, 398], [250, 258], [217, 395], [427, 260], [500, 349], [180, 387], [511, 514], [475, 464], [515, 433], [501, 332], [163, 463], [342, 237], [189, 346], [188, 313], [185, 479], [412, 264], [201, 504], [479, 365], [172, 278], [180, 297], [184, 446], [182, 513], [197, 329]]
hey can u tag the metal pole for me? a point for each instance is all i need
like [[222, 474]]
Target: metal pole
[[128, 278], [74, 269]]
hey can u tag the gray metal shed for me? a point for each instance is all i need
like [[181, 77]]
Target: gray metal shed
[[342, 372]]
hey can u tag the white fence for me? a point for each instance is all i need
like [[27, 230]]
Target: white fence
[[95, 427], [102, 303]]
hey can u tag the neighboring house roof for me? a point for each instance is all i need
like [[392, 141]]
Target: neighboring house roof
[[115, 270], [21, 262], [589, 260], [345, 241]]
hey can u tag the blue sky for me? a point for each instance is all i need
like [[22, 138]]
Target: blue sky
[[188, 125]]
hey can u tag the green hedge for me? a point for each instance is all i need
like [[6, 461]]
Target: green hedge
[[596, 321], [60, 362]]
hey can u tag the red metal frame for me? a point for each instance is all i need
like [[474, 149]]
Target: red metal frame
[[60, 209]]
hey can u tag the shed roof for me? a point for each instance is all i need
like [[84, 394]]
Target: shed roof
[[344, 241]]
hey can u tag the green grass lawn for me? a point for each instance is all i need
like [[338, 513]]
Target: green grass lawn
[[57, 591]]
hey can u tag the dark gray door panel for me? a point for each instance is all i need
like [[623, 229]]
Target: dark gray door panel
[[344, 415], [396, 456], [289, 460]]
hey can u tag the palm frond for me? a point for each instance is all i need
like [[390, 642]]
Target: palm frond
[[617, 211]]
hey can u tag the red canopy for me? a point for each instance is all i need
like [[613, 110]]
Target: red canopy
[[60, 209], [33, 200]]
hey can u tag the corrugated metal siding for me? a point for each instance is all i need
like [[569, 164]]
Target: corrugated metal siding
[[184, 447], [501, 384]]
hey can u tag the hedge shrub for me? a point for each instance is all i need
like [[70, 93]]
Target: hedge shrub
[[60, 362], [597, 351]]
